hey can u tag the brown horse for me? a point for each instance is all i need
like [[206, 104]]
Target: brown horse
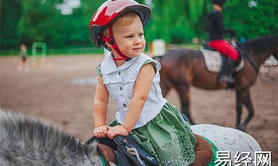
[[182, 68]]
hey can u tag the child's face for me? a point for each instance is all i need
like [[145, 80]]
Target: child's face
[[22, 47], [130, 38]]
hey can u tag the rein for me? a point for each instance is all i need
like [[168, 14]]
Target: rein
[[243, 51], [254, 63]]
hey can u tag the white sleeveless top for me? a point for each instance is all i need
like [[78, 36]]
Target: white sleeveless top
[[120, 83]]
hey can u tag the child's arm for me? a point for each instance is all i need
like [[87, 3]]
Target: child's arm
[[100, 109], [140, 94]]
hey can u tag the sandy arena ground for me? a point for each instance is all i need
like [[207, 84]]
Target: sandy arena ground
[[61, 91]]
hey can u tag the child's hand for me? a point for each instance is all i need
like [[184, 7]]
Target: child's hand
[[101, 131], [117, 130]]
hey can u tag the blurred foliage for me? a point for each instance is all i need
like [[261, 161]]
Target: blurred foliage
[[179, 21], [175, 21], [8, 23], [252, 22]]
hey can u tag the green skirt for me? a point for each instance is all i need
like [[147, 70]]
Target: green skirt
[[167, 137]]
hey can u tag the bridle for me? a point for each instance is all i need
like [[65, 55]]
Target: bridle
[[244, 53], [254, 63]]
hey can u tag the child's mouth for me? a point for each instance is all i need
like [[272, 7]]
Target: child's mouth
[[137, 49]]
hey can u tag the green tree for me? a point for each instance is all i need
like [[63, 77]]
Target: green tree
[[177, 21], [10, 13], [40, 21], [252, 21], [88, 7]]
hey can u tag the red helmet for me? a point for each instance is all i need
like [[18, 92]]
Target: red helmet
[[109, 11]]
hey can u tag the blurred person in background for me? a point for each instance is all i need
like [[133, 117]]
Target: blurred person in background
[[23, 56], [216, 31]]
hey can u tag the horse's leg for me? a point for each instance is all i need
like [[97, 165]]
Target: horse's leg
[[184, 91], [238, 109], [246, 99], [164, 86], [164, 82]]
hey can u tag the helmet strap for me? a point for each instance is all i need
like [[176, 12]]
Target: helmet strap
[[110, 39]]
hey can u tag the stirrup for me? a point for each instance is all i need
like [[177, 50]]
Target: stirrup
[[226, 79]]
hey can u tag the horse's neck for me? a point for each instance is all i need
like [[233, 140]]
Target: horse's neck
[[261, 48], [261, 58]]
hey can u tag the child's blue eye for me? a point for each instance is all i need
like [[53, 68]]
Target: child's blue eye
[[130, 36]]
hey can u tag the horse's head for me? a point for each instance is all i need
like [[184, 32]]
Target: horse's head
[[25, 140], [261, 48], [275, 54]]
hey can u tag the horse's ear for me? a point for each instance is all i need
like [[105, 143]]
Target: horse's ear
[[275, 55], [92, 147]]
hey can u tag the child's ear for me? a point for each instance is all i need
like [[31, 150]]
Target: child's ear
[[108, 45]]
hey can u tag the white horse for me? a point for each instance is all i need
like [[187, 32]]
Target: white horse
[[231, 140], [26, 141]]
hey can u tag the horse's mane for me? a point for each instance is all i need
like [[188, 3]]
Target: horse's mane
[[26, 136], [260, 44]]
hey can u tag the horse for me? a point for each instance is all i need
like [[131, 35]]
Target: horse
[[181, 68], [27, 141], [24, 140]]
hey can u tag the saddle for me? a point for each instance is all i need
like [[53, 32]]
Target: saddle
[[124, 151], [213, 59]]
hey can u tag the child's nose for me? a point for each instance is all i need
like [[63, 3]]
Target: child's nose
[[138, 39]]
